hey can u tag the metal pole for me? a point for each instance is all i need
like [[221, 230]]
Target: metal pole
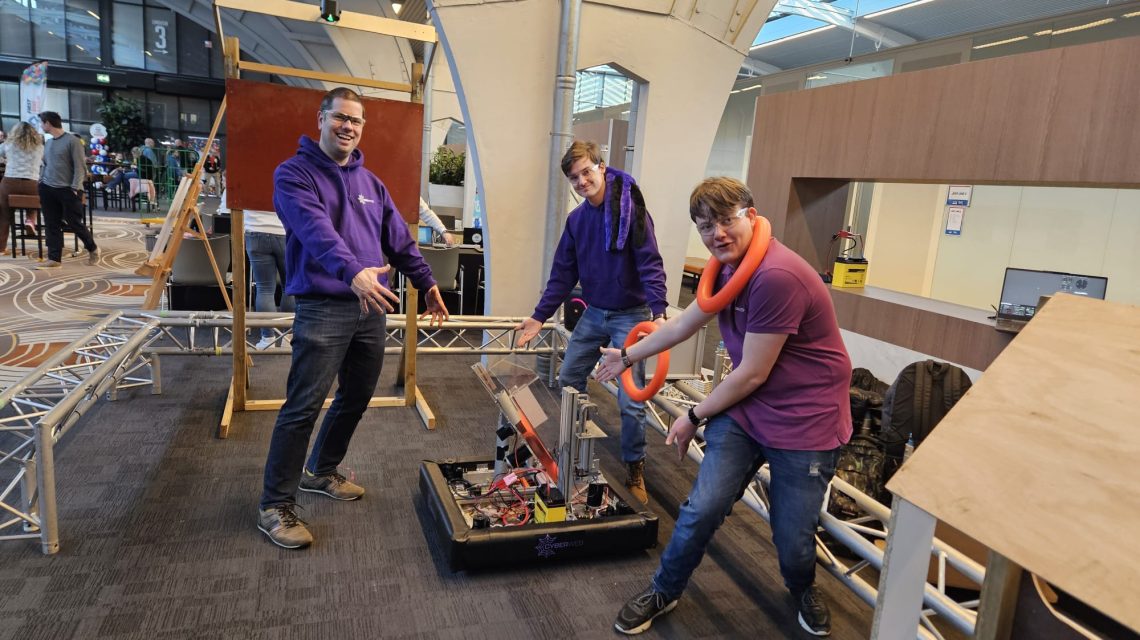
[[425, 162], [561, 134], [631, 134]]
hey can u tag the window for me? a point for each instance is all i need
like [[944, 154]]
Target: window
[[15, 30], [161, 50], [49, 30], [127, 35], [162, 112], [83, 31], [194, 116], [193, 55], [85, 105]]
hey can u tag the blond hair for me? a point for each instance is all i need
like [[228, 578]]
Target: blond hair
[[25, 137]]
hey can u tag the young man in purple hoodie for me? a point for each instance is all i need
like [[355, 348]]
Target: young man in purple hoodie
[[785, 403], [339, 222], [609, 246]]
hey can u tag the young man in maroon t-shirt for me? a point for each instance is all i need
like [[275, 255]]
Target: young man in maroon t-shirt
[[785, 403]]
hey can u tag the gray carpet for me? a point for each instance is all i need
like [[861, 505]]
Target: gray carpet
[[159, 540]]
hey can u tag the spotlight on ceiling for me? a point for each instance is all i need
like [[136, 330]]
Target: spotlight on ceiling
[[330, 12]]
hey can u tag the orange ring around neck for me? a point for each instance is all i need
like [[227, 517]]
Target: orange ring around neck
[[662, 370], [710, 303]]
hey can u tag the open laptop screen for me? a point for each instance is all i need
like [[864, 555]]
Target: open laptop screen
[[425, 235], [1023, 288]]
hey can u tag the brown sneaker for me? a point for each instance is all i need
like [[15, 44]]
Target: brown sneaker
[[333, 485], [636, 480], [49, 264], [283, 526]]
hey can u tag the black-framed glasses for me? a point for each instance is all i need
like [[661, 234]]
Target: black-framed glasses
[[341, 118]]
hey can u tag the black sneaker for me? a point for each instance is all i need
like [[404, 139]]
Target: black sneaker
[[813, 614], [637, 614]]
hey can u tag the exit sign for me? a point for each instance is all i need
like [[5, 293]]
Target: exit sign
[[103, 78]]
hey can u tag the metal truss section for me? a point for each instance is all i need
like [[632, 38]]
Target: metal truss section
[[844, 18], [37, 412]]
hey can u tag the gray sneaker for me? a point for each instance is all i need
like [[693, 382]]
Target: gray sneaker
[[50, 264], [283, 526], [93, 257], [333, 485]]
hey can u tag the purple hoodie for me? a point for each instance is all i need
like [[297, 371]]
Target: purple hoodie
[[338, 221]]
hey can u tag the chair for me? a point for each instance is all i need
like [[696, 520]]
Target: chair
[[192, 283], [444, 263], [24, 204]]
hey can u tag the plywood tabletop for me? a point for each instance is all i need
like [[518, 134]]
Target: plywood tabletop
[[1040, 461]]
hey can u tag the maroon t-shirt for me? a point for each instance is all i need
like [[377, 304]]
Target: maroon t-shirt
[[804, 403]]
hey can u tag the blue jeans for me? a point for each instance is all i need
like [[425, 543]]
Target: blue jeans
[[331, 339], [601, 328], [266, 253], [732, 457]]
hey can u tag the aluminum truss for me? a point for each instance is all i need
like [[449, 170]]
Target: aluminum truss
[[123, 351]]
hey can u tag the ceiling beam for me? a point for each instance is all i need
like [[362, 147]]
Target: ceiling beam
[[846, 19]]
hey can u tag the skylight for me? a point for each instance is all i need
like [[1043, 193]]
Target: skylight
[[780, 25]]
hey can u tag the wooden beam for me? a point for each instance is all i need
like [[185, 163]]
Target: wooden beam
[[348, 19], [321, 75], [424, 410], [411, 335], [898, 604], [274, 405], [227, 414], [998, 602]]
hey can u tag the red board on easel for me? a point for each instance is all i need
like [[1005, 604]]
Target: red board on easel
[[264, 122]]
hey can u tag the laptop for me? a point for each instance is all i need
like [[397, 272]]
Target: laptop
[[1023, 290]]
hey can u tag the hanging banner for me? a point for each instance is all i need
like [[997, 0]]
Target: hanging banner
[[33, 88]]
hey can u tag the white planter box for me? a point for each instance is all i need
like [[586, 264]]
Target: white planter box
[[445, 196]]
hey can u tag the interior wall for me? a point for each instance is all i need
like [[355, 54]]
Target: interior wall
[[671, 49], [1076, 230]]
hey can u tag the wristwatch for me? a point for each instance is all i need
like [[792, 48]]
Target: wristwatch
[[697, 422], [660, 316]]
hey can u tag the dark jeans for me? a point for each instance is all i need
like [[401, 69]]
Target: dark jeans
[[267, 262], [61, 206], [601, 328], [732, 457], [331, 339]]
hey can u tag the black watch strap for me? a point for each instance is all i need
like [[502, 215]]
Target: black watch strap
[[697, 422]]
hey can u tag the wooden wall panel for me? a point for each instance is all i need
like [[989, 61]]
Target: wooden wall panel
[[264, 122], [1060, 117]]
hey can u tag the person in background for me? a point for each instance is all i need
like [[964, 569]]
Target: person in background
[[610, 246], [342, 236], [785, 403], [265, 246], [429, 218], [210, 169], [24, 151], [61, 191]]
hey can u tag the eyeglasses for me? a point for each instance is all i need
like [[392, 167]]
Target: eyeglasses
[[341, 118], [709, 228], [573, 177]]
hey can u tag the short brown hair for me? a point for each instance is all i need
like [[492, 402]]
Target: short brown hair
[[717, 197], [580, 149], [344, 93]]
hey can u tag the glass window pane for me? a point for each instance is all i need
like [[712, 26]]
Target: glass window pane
[[127, 35], [49, 30], [15, 30], [85, 105], [162, 111], [9, 122], [83, 31], [10, 98], [161, 41], [192, 52], [195, 115], [56, 100]]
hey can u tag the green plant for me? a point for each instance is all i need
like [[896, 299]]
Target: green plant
[[123, 118], [447, 167]]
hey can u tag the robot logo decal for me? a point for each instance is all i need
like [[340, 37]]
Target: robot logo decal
[[548, 545]]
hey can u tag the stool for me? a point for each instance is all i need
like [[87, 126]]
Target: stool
[[21, 205]]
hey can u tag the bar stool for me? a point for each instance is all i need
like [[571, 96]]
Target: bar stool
[[21, 205]]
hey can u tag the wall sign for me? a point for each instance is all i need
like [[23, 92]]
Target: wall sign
[[959, 195], [954, 216]]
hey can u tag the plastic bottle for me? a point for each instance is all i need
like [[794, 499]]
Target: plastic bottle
[[909, 449]]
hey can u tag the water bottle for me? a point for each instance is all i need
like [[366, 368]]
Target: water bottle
[[909, 449]]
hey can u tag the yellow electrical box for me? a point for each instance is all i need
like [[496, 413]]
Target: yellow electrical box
[[849, 273], [549, 506]]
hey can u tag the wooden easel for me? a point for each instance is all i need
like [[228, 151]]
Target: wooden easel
[[183, 210], [237, 399]]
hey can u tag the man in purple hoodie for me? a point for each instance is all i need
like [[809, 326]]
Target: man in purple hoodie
[[610, 247], [339, 222]]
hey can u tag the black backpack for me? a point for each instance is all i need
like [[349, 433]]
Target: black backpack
[[923, 393]]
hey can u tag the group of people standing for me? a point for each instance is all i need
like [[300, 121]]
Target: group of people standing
[[785, 402], [54, 170]]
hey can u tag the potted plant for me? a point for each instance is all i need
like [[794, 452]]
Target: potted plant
[[445, 177]]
